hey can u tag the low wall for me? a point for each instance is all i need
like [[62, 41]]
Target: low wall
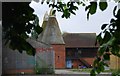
[[44, 59], [14, 62], [114, 62]]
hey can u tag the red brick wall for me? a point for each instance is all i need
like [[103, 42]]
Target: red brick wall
[[75, 63], [59, 55], [17, 71], [89, 60]]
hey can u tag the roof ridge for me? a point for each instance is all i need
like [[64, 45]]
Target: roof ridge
[[79, 39], [78, 33]]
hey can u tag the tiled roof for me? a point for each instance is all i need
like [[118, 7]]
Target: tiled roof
[[52, 33], [79, 39]]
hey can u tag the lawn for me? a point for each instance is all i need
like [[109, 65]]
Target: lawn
[[86, 70]]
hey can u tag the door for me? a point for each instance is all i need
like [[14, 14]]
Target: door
[[69, 63]]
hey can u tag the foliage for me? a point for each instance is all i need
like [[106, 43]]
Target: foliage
[[111, 40], [34, 34], [18, 19], [116, 73], [43, 70], [92, 8], [71, 6], [66, 9], [109, 43], [16, 25]]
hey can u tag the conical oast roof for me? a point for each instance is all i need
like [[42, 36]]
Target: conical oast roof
[[52, 33], [45, 20]]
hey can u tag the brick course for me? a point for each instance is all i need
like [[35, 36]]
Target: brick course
[[59, 55]]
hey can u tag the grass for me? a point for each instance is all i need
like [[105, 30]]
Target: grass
[[81, 70], [86, 70]]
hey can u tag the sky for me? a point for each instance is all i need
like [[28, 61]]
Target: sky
[[77, 23]]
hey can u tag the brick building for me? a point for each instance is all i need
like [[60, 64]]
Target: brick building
[[52, 35], [71, 49], [80, 49]]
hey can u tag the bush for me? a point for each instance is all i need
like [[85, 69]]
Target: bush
[[116, 73], [44, 70]]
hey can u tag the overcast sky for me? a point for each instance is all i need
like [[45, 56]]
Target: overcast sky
[[77, 23]]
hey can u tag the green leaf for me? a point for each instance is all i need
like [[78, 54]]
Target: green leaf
[[50, 5], [114, 11], [17, 23], [66, 13], [63, 16], [68, 4], [103, 26], [12, 45], [111, 41], [29, 49], [87, 7], [107, 37], [98, 70], [24, 35], [73, 12], [115, 50], [118, 14], [83, 4], [102, 49], [78, 3], [38, 29], [112, 20], [99, 38], [75, 8], [101, 66], [92, 72], [103, 5], [105, 64], [106, 56], [31, 52], [88, 15], [53, 12], [96, 61], [93, 8]]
